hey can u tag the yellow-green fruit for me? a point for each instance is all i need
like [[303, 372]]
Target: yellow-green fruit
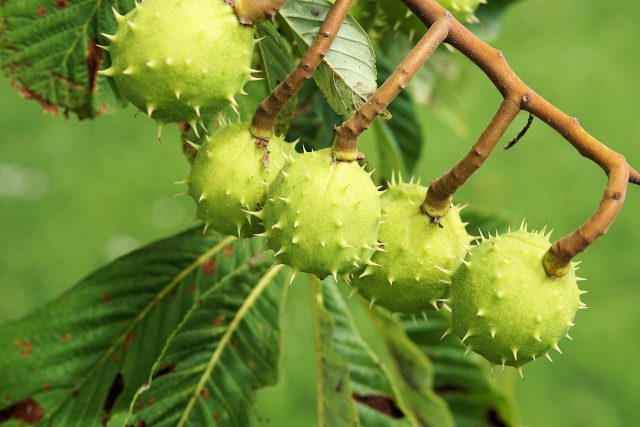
[[419, 258], [322, 216], [504, 305], [180, 60], [230, 178]]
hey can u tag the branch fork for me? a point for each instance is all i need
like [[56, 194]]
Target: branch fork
[[518, 96]]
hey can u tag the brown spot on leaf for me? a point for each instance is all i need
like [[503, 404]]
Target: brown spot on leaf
[[28, 411], [116, 389], [105, 297], [67, 337], [62, 4], [41, 10], [216, 417], [205, 394], [47, 386], [228, 251], [169, 367], [94, 60], [193, 289], [130, 338], [382, 404], [28, 94], [209, 268], [234, 343], [219, 320], [25, 347]]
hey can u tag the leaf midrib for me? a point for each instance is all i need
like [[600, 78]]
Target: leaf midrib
[[226, 338], [159, 297]]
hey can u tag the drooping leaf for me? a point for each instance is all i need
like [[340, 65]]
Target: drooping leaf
[[49, 50], [84, 356], [226, 348], [347, 76], [354, 387], [464, 382], [416, 372]]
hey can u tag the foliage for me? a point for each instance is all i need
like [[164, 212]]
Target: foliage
[[186, 330]]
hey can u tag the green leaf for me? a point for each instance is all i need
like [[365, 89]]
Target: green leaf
[[416, 372], [84, 356], [49, 52], [226, 348], [354, 388], [347, 76], [277, 62], [465, 383]]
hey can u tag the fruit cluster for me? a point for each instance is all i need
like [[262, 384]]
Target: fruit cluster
[[185, 61]]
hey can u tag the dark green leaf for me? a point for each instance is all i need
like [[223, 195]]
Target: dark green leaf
[[354, 387], [226, 348], [416, 372], [465, 382], [84, 356], [49, 51]]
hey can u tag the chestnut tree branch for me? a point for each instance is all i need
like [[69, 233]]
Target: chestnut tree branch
[[344, 145], [438, 199], [493, 63], [262, 125]]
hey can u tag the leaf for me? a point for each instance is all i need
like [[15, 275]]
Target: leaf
[[277, 62], [354, 388], [416, 372], [84, 356], [347, 76], [398, 141], [49, 52], [226, 348], [475, 399]]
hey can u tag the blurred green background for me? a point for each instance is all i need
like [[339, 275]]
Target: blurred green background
[[74, 195]]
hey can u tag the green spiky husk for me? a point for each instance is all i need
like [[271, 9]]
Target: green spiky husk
[[412, 272], [322, 216], [181, 60], [504, 305], [230, 177]]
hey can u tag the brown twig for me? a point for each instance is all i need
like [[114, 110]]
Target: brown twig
[[493, 63], [344, 145], [262, 125], [438, 199], [252, 12]]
